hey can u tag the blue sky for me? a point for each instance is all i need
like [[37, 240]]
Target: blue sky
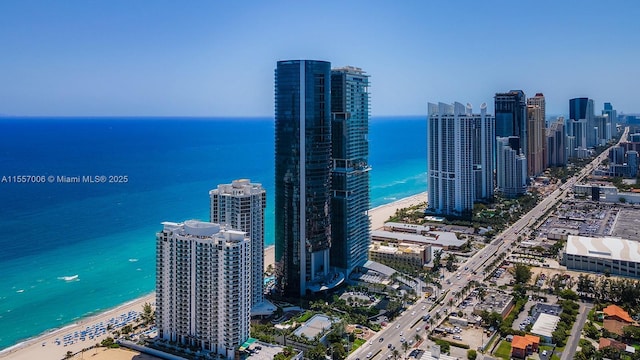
[[216, 58]]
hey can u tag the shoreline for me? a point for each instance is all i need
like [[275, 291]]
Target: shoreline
[[32, 348]]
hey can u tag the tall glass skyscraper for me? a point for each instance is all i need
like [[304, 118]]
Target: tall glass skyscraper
[[536, 143], [350, 226], [302, 173], [511, 116], [582, 122]]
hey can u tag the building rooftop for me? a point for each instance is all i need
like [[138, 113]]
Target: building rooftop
[[379, 268], [435, 238], [545, 325], [604, 247], [522, 342], [614, 310], [318, 324]]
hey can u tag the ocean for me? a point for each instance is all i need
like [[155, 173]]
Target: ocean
[[72, 248]]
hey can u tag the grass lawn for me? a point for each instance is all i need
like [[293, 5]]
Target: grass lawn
[[357, 343], [504, 350], [304, 317]]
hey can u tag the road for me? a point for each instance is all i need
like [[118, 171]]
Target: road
[[574, 338], [473, 269]]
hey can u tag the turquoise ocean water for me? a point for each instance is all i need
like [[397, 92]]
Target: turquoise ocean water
[[105, 232]]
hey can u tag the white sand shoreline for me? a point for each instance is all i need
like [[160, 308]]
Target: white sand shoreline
[[32, 348]]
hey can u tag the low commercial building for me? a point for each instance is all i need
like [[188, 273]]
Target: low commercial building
[[414, 256], [545, 326], [611, 255], [606, 193], [442, 239], [615, 319], [522, 346], [495, 302]]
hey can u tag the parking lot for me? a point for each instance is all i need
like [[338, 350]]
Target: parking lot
[[627, 225]]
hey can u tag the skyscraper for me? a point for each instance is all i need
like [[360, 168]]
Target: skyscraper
[[302, 173], [458, 147], [556, 143], [203, 277], [511, 170], [536, 131], [511, 116], [350, 172], [582, 122], [612, 118], [240, 206]]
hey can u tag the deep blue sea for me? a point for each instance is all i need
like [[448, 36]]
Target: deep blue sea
[[105, 232]]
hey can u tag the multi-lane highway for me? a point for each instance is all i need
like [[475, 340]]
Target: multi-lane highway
[[402, 329]]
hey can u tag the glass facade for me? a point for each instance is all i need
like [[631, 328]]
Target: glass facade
[[302, 172], [350, 224], [511, 116]]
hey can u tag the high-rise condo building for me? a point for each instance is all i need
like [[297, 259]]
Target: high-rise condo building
[[203, 278], [612, 118], [460, 166], [240, 206], [350, 226], [511, 116], [556, 144], [536, 162], [511, 172], [582, 122], [302, 173]]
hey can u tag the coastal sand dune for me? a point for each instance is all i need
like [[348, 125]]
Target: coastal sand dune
[[44, 347]]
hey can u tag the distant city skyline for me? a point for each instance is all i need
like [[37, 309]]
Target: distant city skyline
[[216, 58]]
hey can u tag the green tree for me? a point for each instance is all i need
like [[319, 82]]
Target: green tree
[[591, 331], [317, 353], [472, 354], [522, 274], [437, 257], [451, 263], [444, 346], [148, 315], [395, 353], [569, 294], [631, 332]]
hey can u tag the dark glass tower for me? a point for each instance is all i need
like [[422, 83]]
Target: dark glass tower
[[578, 108], [350, 226], [303, 173], [511, 116]]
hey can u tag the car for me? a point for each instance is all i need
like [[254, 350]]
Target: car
[[398, 326], [381, 339], [400, 333], [418, 328], [370, 342], [389, 346], [544, 352]]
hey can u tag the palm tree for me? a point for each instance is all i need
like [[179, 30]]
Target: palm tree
[[405, 347], [395, 353], [418, 338]]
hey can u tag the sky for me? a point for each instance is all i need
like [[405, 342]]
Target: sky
[[216, 58]]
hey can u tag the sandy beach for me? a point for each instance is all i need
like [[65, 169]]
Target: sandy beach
[[379, 215], [44, 347]]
